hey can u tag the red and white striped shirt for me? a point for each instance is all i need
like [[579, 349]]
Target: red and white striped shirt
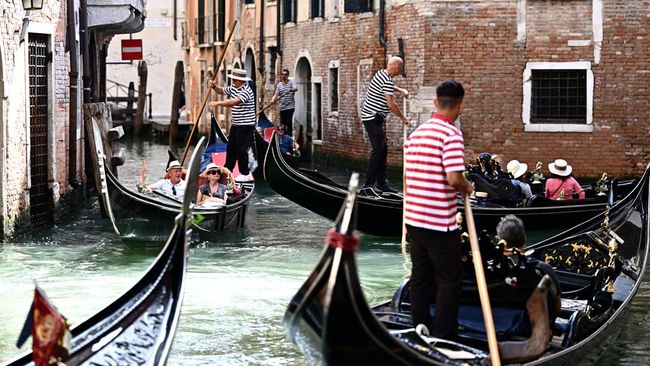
[[432, 150]]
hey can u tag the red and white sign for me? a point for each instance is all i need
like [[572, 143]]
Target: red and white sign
[[131, 49]]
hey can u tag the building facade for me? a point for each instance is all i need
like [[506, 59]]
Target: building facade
[[49, 68], [543, 79]]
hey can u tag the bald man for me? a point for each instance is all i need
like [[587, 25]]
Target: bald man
[[379, 102]]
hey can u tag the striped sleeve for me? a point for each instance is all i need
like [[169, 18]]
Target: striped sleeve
[[453, 153]]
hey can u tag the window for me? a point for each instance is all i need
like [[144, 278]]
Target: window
[[319, 117], [221, 20], [289, 11], [200, 23], [334, 86], [247, 2], [558, 97], [317, 8], [357, 6]]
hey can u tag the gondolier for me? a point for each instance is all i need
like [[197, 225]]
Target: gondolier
[[242, 101], [379, 101], [285, 91], [434, 155]]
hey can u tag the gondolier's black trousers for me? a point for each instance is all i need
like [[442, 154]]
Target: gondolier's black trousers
[[377, 163], [240, 140], [286, 118], [436, 277]]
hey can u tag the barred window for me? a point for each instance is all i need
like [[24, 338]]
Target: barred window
[[357, 6], [317, 8], [288, 11], [559, 96]]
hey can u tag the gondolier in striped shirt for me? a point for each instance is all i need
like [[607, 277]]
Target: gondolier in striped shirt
[[242, 101], [379, 101], [285, 91], [434, 155]]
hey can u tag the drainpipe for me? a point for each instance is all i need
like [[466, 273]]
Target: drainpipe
[[278, 29], [83, 38], [175, 19], [74, 80], [382, 20], [261, 54]]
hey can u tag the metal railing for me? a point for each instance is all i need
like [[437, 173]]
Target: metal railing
[[122, 94]]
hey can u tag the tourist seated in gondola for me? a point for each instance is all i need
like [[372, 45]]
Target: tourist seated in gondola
[[288, 145], [518, 170], [174, 185], [561, 185], [212, 192]]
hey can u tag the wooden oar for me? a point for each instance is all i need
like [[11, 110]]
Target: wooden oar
[[482, 286], [207, 94], [405, 93], [272, 103]]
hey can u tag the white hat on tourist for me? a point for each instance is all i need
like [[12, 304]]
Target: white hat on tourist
[[516, 168], [560, 167]]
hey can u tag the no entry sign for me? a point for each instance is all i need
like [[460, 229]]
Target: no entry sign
[[131, 49]]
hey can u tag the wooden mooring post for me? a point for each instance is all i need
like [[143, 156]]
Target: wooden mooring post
[[176, 102], [142, 97]]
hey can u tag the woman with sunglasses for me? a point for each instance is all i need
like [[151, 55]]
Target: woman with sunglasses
[[212, 192]]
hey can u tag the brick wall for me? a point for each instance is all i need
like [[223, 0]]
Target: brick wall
[[486, 45], [14, 135], [478, 44]]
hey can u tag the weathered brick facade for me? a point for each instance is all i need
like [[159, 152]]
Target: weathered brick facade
[[14, 132], [487, 45]]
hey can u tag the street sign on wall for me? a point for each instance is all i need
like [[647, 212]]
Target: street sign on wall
[[131, 49]]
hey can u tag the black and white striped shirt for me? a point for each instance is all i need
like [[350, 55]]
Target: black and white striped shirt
[[287, 100], [243, 114], [375, 103]]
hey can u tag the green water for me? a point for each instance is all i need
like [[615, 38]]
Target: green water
[[236, 289]]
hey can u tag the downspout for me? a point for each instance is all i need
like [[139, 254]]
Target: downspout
[[382, 20], [83, 38], [278, 29], [175, 19], [261, 51], [74, 81]]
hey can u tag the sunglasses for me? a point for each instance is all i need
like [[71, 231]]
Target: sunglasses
[[283, 74], [173, 190], [281, 129], [210, 172]]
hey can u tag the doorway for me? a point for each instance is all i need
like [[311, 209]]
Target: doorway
[[302, 117], [40, 195]]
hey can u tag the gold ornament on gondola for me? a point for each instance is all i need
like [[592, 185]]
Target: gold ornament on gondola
[[537, 174], [601, 186]]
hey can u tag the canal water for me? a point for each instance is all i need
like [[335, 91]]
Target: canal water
[[237, 288]]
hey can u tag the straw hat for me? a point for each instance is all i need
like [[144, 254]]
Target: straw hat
[[174, 164], [560, 167], [239, 74], [211, 166], [516, 168]]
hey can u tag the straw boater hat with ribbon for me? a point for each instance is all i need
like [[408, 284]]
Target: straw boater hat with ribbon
[[560, 167], [173, 164], [516, 168], [239, 74]]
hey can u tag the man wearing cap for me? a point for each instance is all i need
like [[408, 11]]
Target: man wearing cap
[[561, 185], [518, 169], [242, 101], [175, 185]]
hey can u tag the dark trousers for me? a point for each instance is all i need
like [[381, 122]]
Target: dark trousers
[[286, 118], [377, 163], [240, 140], [436, 276]]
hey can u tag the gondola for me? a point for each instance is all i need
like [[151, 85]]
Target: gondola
[[600, 264], [138, 327], [148, 216], [381, 213]]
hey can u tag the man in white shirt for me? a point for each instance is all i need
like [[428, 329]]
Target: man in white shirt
[[173, 186]]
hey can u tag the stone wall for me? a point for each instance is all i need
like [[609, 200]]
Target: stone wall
[[14, 136]]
